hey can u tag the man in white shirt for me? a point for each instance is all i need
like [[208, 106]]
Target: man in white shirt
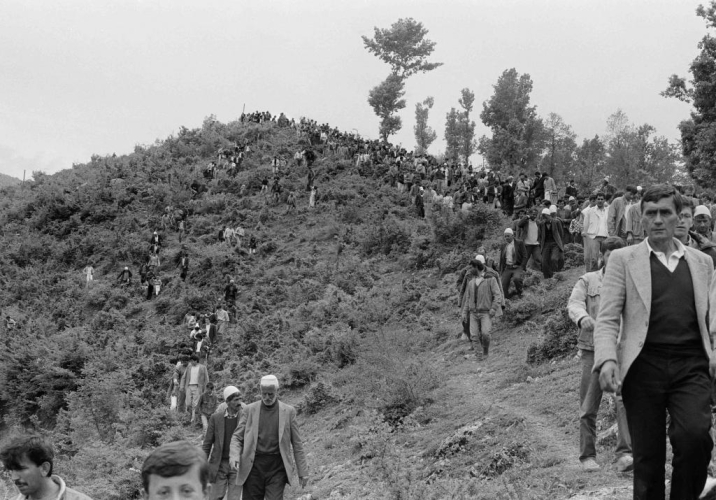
[[594, 231]]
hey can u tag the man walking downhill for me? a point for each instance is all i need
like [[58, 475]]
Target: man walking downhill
[[262, 445], [594, 230], [550, 238], [530, 235], [583, 307], [652, 342], [513, 260], [217, 446], [482, 302]]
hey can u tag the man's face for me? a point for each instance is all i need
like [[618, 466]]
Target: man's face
[[702, 223], [533, 214], [234, 404], [628, 196], [185, 487], [268, 395], [509, 237], [600, 201], [685, 223], [560, 204], [660, 219], [28, 478]]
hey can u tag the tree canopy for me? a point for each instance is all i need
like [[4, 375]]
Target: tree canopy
[[424, 134], [386, 99], [404, 47]]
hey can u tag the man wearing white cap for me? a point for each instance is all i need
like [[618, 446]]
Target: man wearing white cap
[[513, 259], [482, 301], [261, 446], [702, 222], [551, 236], [217, 444]]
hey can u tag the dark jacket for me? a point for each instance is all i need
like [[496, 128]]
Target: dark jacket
[[557, 231], [213, 444], [520, 255]]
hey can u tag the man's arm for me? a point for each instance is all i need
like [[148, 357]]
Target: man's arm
[[577, 304], [298, 453], [208, 437], [237, 441], [611, 307], [585, 225], [612, 219], [497, 298]]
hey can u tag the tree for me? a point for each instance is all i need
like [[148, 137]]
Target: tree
[[424, 135], [385, 99], [517, 140], [698, 134], [404, 47], [452, 134], [560, 147], [589, 164], [466, 127]]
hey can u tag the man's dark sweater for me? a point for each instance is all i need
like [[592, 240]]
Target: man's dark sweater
[[229, 428], [673, 323], [267, 443]]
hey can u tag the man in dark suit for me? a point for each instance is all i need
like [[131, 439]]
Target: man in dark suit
[[262, 444], [550, 238], [216, 446], [513, 260], [653, 343]]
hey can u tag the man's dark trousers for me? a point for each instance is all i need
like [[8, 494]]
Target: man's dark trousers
[[511, 273], [550, 258], [267, 479], [662, 379], [535, 252]]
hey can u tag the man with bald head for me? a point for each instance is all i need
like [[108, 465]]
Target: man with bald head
[[261, 446]]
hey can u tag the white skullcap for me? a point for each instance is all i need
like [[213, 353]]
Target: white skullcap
[[229, 391], [545, 211], [553, 209], [639, 188], [269, 381], [572, 198], [509, 231], [702, 210], [481, 258]]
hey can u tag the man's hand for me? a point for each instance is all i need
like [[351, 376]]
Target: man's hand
[[608, 377], [587, 324], [236, 464], [712, 365], [303, 481]]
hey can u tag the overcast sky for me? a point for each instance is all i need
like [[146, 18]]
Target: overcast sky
[[83, 77]]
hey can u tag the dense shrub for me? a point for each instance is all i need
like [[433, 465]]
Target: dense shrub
[[559, 340], [460, 228], [385, 238], [318, 396]]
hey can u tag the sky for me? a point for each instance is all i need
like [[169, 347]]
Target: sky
[[84, 77]]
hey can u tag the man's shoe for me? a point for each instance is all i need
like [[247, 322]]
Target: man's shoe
[[625, 463], [590, 465]]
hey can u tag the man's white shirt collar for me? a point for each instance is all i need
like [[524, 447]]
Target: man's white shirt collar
[[674, 258]]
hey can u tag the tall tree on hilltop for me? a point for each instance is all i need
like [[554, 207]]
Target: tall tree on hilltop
[[424, 135], [560, 147], [517, 131], [452, 134], [698, 134], [466, 127], [385, 99], [404, 47], [588, 168]]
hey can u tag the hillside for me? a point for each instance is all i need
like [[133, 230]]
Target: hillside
[[6, 180], [351, 303]]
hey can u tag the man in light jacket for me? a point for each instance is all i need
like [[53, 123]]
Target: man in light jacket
[[483, 300], [262, 443]]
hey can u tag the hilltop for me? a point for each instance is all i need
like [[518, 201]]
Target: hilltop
[[7, 180], [351, 303]]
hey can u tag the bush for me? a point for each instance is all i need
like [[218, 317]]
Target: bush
[[560, 339], [318, 396], [300, 373], [385, 238], [460, 228]]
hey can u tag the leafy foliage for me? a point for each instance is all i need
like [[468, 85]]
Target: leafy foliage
[[424, 134], [385, 99]]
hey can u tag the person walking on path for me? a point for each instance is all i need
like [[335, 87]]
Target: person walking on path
[[550, 239], [125, 277], [482, 302], [594, 230], [88, 271], [617, 214], [217, 439], [513, 260], [194, 382], [583, 307], [261, 446], [653, 343]]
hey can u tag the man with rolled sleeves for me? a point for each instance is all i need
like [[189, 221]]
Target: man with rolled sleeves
[[261, 446], [652, 342]]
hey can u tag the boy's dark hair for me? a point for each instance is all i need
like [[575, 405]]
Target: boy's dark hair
[[611, 243], [194, 357], [601, 194], [592, 197], [31, 446], [659, 191], [210, 385], [174, 459]]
